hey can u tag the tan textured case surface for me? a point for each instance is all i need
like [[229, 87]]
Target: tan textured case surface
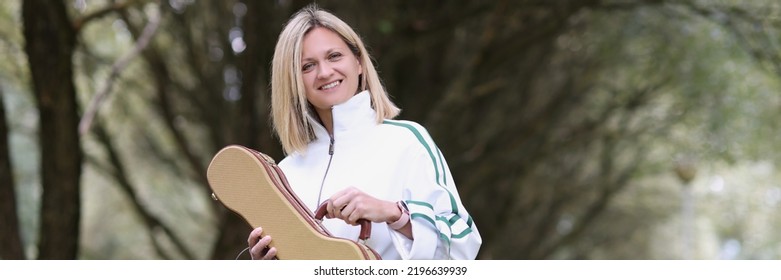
[[249, 183]]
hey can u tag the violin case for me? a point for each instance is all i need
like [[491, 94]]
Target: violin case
[[250, 184]]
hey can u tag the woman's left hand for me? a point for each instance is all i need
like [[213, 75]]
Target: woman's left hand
[[351, 204]]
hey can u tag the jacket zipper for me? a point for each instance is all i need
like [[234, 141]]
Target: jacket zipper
[[330, 158]]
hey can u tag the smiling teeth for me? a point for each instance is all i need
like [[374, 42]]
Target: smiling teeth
[[331, 85]]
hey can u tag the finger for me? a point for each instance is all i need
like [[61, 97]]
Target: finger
[[342, 211], [256, 252], [254, 236], [348, 211], [353, 217], [271, 253], [265, 241], [334, 209], [329, 206], [343, 197], [260, 249], [330, 209]]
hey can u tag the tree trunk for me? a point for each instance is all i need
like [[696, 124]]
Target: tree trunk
[[10, 241], [50, 41]]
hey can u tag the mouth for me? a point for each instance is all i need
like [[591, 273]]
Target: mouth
[[330, 85]]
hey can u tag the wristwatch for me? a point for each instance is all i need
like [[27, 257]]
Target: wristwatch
[[403, 219]]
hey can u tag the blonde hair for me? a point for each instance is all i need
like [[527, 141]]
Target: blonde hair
[[289, 106]]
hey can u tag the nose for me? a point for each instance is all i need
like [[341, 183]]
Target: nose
[[324, 70]]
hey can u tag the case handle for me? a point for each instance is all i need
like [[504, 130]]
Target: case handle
[[366, 225]]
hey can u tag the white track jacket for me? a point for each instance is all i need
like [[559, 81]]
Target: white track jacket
[[394, 160]]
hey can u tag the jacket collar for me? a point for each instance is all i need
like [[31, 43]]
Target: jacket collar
[[350, 116]]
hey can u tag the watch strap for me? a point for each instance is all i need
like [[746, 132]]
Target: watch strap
[[403, 218]]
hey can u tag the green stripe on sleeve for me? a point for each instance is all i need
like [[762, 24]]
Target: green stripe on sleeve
[[421, 140], [442, 161]]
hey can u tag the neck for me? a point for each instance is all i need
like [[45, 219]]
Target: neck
[[327, 119]]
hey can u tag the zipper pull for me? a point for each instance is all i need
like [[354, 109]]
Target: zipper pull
[[331, 147]]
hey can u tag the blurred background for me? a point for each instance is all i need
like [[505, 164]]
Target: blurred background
[[575, 129]]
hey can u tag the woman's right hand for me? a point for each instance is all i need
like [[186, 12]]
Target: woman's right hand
[[258, 246]]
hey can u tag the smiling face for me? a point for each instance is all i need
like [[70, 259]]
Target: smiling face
[[329, 69]]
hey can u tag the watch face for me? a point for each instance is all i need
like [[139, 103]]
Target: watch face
[[403, 206]]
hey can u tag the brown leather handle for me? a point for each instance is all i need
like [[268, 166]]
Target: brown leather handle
[[366, 225]]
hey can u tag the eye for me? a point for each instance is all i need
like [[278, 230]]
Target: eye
[[307, 67], [334, 56]]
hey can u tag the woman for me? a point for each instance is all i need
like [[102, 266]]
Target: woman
[[333, 118]]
